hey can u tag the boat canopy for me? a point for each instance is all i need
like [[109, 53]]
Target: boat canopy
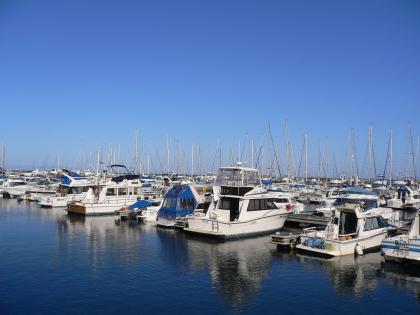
[[68, 177], [179, 201], [141, 204]]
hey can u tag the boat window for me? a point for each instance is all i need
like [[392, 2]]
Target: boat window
[[110, 192], [348, 223], [261, 204], [375, 223], [75, 190], [271, 205], [137, 190], [224, 203], [85, 189], [253, 205], [416, 196], [122, 191]]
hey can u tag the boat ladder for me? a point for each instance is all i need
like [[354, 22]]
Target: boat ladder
[[214, 221]]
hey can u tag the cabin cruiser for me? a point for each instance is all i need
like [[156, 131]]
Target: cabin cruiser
[[243, 208], [121, 190], [182, 200], [405, 198], [72, 187], [351, 231], [404, 248], [368, 201], [15, 187]]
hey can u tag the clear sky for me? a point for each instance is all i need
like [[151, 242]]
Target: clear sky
[[79, 75]]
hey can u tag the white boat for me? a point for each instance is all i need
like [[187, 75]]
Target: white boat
[[243, 208], [404, 248], [405, 198], [72, 187], [122, 190], [16, 187], [369, 201], [351, 232]]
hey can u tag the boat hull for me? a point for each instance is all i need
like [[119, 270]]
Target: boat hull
[[226, 230], [335, 248], [401, 250]]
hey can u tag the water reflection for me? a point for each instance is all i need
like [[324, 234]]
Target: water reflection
[[352, 275], [238, 271], [236, 268], [403, 277]]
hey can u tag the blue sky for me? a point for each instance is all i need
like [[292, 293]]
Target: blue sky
[[80, 75]]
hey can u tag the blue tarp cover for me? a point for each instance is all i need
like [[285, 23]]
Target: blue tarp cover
[[140, 204], [179, 202]]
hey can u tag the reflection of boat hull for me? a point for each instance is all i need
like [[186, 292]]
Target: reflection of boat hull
[[335, 248], [226, 230]]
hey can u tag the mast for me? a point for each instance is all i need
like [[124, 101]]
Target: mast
[[97, 166], [274, 148], [417, 152], [411, 151], [288, 153], [168, 154], [3, 151], [306, 157], [192, 160], [388, 160], [136, 150], [391, 153], [252, 153]]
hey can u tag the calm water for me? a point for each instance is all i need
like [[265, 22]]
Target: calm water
[[51, 263]]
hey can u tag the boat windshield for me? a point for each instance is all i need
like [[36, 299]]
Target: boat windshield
[[237, 177]]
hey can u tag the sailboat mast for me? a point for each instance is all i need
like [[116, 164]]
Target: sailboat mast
[[192, 160]]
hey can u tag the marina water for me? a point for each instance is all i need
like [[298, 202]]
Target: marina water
[[52, 263]]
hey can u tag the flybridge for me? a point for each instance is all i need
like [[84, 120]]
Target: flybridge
[[238, 176]]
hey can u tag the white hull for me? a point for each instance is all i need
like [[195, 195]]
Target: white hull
[[398, 204], [54, 201], [165, 222], [401, 249], [111, 207], [150, 215], [213, 227], [15, 192], [335, 248]]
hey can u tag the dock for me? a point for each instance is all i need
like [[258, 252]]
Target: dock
[[307, 219]]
